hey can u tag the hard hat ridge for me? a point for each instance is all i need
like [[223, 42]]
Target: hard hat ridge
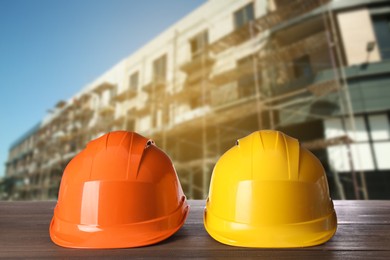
[[271, 155]]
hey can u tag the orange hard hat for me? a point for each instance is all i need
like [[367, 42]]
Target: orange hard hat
[[120, 191]]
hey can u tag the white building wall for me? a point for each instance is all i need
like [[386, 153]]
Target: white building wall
[[356, 32]]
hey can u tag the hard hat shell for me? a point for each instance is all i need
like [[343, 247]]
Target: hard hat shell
[[268, 191], [120, 191]]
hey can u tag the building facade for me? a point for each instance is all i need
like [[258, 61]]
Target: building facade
[[318, 70]]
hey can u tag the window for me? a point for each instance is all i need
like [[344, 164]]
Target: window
[[382, 31], [302, 67], [338, 155], [244, 16], [199, 44], [380, 134], [379, 126], [112, 94], [130, 125], [160, 68], [381, 150], [371, 143], [246, 82], [195, 102], [133, 83]]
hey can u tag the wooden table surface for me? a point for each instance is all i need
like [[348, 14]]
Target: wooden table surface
[[363, 233]]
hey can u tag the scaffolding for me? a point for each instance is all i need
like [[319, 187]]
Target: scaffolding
[[271, 87], [285, 97]]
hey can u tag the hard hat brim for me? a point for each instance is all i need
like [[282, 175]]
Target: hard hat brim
[[139, 234], [304, 234]]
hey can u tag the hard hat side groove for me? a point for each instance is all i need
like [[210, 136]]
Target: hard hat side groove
[[287, 156], [106, 140], [276, 140], [261, 141], [128, 168]]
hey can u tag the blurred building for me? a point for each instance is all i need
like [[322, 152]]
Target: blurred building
[[318, 70]]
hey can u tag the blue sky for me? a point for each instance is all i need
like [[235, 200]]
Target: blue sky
[[50, 49]]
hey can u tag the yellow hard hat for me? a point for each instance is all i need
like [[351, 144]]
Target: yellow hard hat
[[268, 191]]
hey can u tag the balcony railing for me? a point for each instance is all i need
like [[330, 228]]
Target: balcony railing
[[156, 85], [106, 110], [103, 87], [198, 62], [282, 14], [125, 95], [311, 44]]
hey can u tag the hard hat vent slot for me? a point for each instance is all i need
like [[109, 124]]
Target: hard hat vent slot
[[238, 142]]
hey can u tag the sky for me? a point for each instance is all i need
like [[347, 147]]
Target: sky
[[49, 50]]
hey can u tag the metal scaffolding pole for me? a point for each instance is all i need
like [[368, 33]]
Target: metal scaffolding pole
[[345, 97]]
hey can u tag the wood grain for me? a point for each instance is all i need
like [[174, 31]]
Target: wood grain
[[363, 233]]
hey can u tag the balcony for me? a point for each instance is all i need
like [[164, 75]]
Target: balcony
[[83, 113], [32, 168], [234, 74], [197, 77], [106, 110], [60, 104], [103, 87], [155, 86], [282, 14], [83, 98], [198, 62], [294, 9], [225, 77], [234, 38], [308, 45], [144, 110], [125, 95], [41, 141], [191, 117], [132, 113], [118, 122]]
